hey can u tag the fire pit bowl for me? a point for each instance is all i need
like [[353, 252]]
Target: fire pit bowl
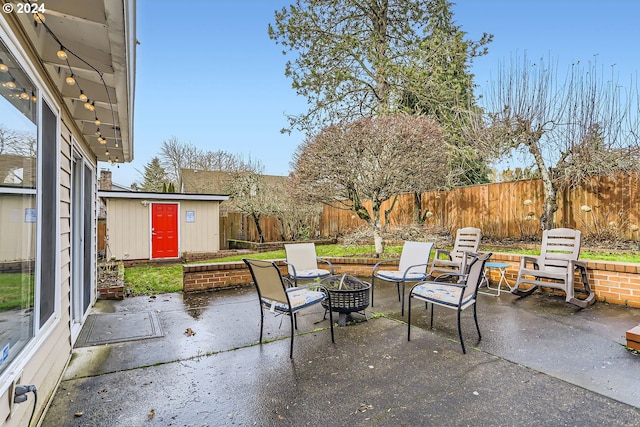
[[348, 295]]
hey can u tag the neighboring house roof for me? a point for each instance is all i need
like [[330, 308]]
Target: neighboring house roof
[[196, 181], [102, 35], [140, 195]]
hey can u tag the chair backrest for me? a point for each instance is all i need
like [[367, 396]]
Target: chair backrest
[[415, 253], [559, 246], [268, 280], [302, 256], [467, 240], [475, 267]]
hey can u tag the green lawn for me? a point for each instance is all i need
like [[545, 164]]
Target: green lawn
[[156, 279], [11, 291]]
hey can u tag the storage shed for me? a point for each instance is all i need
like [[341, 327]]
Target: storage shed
[[153, 226]]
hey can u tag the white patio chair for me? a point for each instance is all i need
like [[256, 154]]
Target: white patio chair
[[302, 262], [457, 296], [412, 267], [276, 297]]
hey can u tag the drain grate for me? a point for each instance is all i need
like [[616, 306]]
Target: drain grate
[[119, 327]]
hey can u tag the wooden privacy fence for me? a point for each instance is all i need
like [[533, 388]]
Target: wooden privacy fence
[[239, 226], [605, 207]]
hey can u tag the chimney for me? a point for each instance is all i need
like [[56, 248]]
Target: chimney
[[105, 179]]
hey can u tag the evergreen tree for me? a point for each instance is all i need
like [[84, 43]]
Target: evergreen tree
[[154, 176]]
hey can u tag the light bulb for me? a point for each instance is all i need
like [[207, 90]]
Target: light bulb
[[98, 132], [83, 97], [3, 67], [61, 54], [70, 80], [11, 84], [24, 95], [97, 122], [39, 17], [93, 107], [106, 152]]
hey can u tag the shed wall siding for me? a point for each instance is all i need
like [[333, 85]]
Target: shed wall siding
[[128, 229], [202, 235]]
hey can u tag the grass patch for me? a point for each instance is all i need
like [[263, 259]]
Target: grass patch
[[153, 279], [12, 290]]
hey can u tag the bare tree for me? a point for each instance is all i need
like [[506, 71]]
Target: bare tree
[[570, 129], [297, 220], [371, 159], [176, 155], [18, 143], [251, 194]]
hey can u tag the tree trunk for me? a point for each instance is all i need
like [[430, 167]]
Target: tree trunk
[[377, 237], [550, 205], [256, 221], [418, 218], [550, 191]]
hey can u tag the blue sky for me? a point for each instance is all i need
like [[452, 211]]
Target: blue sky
[[208, 74]]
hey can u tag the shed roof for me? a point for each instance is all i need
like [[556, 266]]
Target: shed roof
[[140, 195]]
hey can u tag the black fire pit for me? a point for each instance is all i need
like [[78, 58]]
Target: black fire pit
[[348, 295]]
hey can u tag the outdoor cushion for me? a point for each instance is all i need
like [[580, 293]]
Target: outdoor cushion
[[440, 293], [312, 274], [395, 275], [299, 298]]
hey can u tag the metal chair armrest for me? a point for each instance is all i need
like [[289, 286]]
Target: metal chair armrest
[[295, 275], [326, 262], [404, 276], [386, 261]]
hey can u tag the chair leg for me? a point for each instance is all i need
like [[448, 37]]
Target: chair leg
[[403, 290], [409, 319], [261, 323], [433, 306], [294, 316], [331, 320], [464, 351], [292, 334], [372, 287], [398, 289], [475, 317]]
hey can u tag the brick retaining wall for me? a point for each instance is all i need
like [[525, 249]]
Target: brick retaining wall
[[613, 282]]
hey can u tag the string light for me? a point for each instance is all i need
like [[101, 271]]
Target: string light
[[61, 53], [24, 95], [3, 67], [11, 84]]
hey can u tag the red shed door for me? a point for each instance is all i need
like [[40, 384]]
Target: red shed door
[[164, 230]]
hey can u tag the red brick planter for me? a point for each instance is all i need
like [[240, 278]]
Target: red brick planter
[[613, 282]]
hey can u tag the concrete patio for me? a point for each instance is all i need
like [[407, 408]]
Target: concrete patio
[[540, 362]]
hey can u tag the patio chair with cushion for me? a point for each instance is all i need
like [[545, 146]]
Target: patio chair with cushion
[[276, 297], [555, 267], [457, 296], [412, 267], [467, 240], [302, 262]]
